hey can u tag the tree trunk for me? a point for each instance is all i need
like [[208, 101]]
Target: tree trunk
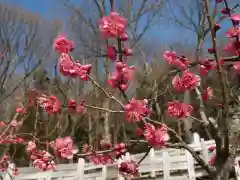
[[107, 135], [90, 139], [187, 123]]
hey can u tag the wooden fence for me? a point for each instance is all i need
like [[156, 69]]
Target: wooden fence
[[164, 164]]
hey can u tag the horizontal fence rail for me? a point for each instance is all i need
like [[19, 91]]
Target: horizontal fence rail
[[162, 164]]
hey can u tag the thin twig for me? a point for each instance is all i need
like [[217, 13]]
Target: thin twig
[[102, 109], [109, 95], [145, 155]]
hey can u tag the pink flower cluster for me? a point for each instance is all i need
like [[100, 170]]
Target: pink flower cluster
[[113, 25], [73, 107], [4, 162], [63, 45], [10, 139], [101, 158], [4, 165], [136, 110], [188, 81], [120, 78], [64, 147], [233, 34], [112, 52], [67, 66], [120, 149], [115, 152], [173, 59], [14, 123], [41, 158], [21, 110], [51, 104], [156, 136], [206, 66], [179, 109], [128, 168]]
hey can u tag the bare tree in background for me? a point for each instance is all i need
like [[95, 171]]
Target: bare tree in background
[[26, 46]]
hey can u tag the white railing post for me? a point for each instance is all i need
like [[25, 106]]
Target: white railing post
[[104, 172], [196, 138], [80, 169], [152, 158], [204, 150], [190, 165], [166, 164]]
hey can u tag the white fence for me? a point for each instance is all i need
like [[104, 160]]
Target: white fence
[[164, 164]]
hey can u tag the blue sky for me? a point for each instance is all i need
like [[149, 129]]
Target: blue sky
[[46, 8], [164, 32], [49, 9]]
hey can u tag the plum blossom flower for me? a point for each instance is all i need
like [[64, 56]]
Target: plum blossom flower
[[208, 94], [65, 147], [112, 25], [31, 146], [51, 104], [112, 53], [235, 17], [206, 66], [120, 149], [233, 47], [179, 109], [124, 36], [68, 67], [172, 58], [72, 104], [4, 162], [3, 124], [128, 52], [63, 45], [21, 110], [211, 148], [73, 107], [128, 167], [43, 161], [217, 27], [15, 171], [139, 132], [101, 159], [213, 160], [120, 77], [225, 11], [156, 136], [233, 32], [211, 51], [187, 82], [14, 123], [136, 110]]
